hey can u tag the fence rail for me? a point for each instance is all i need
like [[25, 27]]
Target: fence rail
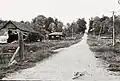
[[5, 58]]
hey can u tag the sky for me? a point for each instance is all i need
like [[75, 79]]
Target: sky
[[64, 10]]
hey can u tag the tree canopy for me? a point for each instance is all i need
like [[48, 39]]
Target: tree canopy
[[104, 24], [46, 25]]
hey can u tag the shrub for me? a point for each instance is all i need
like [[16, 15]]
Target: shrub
[[34, 37]]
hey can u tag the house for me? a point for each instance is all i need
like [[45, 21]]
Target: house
[[17, 26], [55, 36], [11, 28]]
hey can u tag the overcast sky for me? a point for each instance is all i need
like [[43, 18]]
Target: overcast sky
[[65, 10]]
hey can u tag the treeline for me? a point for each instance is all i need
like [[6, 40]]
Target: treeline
[[48, 25], [75, 27], [104, 25]]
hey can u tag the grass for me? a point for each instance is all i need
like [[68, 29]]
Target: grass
[[34, 52], [104, 50]]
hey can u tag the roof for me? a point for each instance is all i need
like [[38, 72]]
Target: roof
[[56, 33], [20, 26], [0, 27]]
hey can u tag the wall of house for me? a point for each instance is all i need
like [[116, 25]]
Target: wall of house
[[10, 26], [13, 35]]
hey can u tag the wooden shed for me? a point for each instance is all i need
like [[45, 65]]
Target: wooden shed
[[55, 36], [12, 28]]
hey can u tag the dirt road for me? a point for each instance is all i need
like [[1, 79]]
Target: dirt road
[[61, 67]]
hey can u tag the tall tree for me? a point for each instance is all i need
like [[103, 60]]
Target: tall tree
[[73, 27], [52, 27], [49, 20], [59, 27], [82, 25], [39, 22]]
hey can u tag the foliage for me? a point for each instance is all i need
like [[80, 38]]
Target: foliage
[[34, 37], [82, 25], [59, 26], [75, 27], [2, 23], [45, 25], [39, 22], [52, 27], [104, 25], [49, 20]]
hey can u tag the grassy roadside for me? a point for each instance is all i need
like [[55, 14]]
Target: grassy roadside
[[36, 52], [104, 50]]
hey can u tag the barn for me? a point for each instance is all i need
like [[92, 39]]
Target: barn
[[9, 32], [55, 36]]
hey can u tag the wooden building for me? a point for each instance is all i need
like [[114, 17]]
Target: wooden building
[[55, 36], [10, 31]]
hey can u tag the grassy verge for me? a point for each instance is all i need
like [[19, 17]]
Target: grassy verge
[[36, 52], [104, 50]]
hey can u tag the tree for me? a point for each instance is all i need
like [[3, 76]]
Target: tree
[[22, 21], [59, 27], [103, 26], [73, 28], [27, 23], [56, 22], [82, 25], [49, 20], [39, 22], [66, 29], [52, 27], [90, 25]]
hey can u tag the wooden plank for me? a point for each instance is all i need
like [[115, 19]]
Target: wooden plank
[[14, 56], [6, 54], [5, 58]]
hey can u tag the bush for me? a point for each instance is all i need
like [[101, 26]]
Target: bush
[[34, 37]]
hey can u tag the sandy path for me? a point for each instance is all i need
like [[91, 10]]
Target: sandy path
[[61, 67]]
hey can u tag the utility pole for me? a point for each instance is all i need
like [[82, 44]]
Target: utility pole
[[72, 33], [113, 27], [100, 31]]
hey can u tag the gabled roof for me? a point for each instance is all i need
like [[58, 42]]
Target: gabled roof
[[56, 33], [20, 26], [0, 27]]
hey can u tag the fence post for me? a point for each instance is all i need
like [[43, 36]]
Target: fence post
[[21, 45]]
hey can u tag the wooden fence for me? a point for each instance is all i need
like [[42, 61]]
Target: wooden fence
[[8, 58]]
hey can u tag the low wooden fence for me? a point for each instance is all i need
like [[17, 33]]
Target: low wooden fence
[[5, 58], [9, 58]]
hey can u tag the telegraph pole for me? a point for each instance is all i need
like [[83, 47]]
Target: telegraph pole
[[72, 33], [100, 31], [113, 27]]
